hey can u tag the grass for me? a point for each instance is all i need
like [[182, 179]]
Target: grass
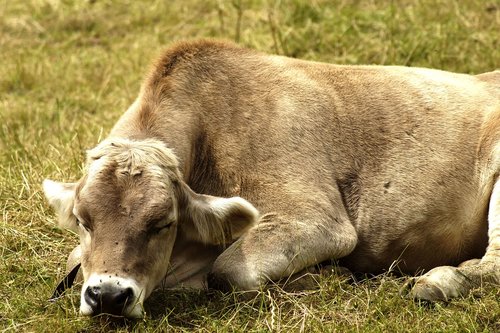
[[70, 68]]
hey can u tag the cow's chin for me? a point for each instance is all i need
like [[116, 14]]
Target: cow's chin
[[125, 290]]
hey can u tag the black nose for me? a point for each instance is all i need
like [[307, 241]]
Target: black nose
[[107, 299]]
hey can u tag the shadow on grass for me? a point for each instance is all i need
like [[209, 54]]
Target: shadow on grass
[[187, 307], [190, 309], [175, 303]]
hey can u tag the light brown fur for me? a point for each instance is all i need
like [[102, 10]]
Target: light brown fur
[[369, 164]]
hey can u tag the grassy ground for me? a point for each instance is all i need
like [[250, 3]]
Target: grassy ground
[[70, 68]]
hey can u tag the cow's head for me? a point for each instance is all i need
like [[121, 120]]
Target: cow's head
[[128, 209]]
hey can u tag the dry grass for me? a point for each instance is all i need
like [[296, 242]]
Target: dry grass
[[70, 68]]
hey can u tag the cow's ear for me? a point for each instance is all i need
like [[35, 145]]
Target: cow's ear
[[215, 220], [61, 197]]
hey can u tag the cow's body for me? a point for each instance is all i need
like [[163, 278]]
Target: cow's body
[[374, 165]]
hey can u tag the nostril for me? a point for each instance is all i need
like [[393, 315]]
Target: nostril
[[108, 299], [124, 296], [93, 296]]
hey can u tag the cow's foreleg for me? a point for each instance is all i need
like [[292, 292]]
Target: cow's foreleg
[[280, 246], [443, 283]]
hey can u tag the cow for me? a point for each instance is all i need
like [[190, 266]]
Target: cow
[[234, 168]]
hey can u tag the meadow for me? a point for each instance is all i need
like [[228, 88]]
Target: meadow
[[69, 69]]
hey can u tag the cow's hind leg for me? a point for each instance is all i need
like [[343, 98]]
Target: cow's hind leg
[[443, 283], [280, 246]]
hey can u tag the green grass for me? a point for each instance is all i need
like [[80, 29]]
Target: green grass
[[69, 69]]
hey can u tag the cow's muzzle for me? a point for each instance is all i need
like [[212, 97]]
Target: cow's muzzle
[[109, 299], [105, 294]]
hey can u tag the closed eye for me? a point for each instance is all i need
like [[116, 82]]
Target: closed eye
[[164, 227], [80, 221], [160, 225], [82, 224]]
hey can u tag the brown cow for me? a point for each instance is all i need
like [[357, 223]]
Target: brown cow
[[376, 166]]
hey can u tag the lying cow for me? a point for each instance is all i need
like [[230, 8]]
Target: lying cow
[[376, 166]]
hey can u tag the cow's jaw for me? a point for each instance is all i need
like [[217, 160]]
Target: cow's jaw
[[104, 293]]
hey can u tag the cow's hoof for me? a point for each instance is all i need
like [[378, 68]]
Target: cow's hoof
[[439, 284], [301, 282], [228, 273], [217, 282], [334, 270]]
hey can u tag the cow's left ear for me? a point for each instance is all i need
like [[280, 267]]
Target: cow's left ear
[[61, 197], [215, 220]]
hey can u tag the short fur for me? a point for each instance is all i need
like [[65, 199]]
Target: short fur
[[377, 166]]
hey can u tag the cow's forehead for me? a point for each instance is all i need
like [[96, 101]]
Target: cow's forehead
[[130, 171], [132, 154]]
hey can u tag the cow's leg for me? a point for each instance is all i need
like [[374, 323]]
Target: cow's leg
[[443, 283], [280, 246]]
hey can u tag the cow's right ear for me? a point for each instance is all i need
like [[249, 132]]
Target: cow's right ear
[[61, 197]]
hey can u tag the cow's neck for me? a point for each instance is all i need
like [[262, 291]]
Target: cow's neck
[[180, 132]]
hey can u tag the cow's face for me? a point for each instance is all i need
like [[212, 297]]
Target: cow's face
[[129, 209]]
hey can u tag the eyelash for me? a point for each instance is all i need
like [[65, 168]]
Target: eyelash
[[79, 223], [157, 230], [160, 229]]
